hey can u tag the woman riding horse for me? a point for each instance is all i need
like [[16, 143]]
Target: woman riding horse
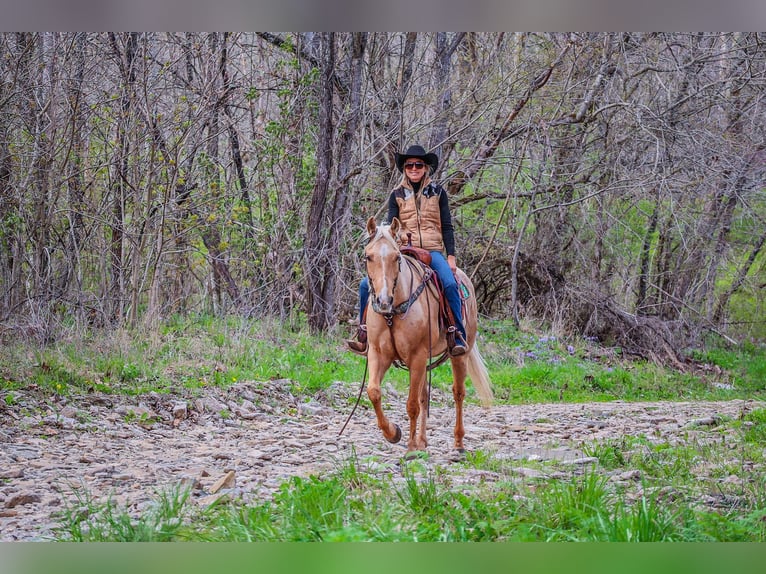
[[403, 328], [422, 207]]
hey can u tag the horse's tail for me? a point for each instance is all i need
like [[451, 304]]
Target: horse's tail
[[477, 370]]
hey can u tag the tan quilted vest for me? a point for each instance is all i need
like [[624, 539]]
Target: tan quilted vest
[[422, 219]]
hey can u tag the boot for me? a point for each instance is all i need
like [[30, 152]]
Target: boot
[[360, 345], [455, 342]]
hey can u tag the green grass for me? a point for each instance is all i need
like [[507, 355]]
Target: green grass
[[189, 353], [525, 367], [638, 491], [418, 500], [532, 367], [417, 504], [85, 519], [754, 424]]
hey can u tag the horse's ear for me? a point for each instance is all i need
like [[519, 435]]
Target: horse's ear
[[371, 227], [396, 227]]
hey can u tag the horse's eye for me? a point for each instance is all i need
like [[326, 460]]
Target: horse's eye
[[367, 258]]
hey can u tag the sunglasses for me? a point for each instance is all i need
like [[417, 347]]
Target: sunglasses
[[414, 165]]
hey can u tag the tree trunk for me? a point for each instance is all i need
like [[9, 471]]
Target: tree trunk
[[236, 150], [317, 232], [126, 55], [74, 169]]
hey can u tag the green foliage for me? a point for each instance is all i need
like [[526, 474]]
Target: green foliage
[[481, 459], [709, 526], [87, 520], [744, 366], [192, 352], [309, 508], [204, 350], [419, 504], [755, 426], [645, 521], [56, 377], [666, 462], [531, 367], [610, 453], [575, 504]]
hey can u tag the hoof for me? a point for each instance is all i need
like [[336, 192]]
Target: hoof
[[397, 436]]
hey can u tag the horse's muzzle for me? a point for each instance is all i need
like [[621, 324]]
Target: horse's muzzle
[[385, 304]]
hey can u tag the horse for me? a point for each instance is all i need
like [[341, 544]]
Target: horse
[[403, 328]]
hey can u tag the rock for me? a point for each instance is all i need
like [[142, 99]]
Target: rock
[[228, 480], [595, 424], [706, 421], [312, 408], [22, 452], [12, 473], [179, 411], [582, 461], [190, 482], [209, 405], [213, 499], [528, 472], [629, 475], [271, 436], [67, 423], [22, 499]]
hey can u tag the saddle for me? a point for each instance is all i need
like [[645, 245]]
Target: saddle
[[446, 319], [418, 253]]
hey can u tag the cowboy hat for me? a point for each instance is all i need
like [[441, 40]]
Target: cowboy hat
[[431, 159]]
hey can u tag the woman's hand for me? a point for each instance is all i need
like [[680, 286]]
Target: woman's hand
[[452, 262]]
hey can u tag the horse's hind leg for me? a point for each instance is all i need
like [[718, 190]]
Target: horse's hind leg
[[458, 393], [391, 431]]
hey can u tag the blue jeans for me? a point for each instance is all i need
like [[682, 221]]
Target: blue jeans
[[449, 284]]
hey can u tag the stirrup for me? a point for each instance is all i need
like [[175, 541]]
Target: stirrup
[[357, 347], [360, 345], [455, 346]]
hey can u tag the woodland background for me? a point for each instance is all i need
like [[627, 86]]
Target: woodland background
[[607, 185]]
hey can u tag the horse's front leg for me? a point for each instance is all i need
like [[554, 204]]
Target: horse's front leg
[[458, 393], [417, 405], [378, 368]]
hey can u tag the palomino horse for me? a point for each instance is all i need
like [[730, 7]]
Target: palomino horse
[[404, 326]]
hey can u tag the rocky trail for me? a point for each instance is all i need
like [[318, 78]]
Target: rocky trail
[[246, 440]]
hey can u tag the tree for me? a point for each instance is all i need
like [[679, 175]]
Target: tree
[[329, 212], [603, 184]]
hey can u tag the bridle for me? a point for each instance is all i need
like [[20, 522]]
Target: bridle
[[404, 306]]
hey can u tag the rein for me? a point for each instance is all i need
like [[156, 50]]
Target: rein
[[358, 398], [404, 306]]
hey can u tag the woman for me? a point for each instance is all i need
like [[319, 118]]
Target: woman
[[422, 206]]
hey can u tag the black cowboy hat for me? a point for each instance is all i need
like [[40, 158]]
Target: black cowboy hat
[[431, 159]]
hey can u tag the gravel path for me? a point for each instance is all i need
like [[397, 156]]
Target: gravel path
[[246, 440]]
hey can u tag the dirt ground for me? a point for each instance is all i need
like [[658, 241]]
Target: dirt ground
[[246, 440]]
